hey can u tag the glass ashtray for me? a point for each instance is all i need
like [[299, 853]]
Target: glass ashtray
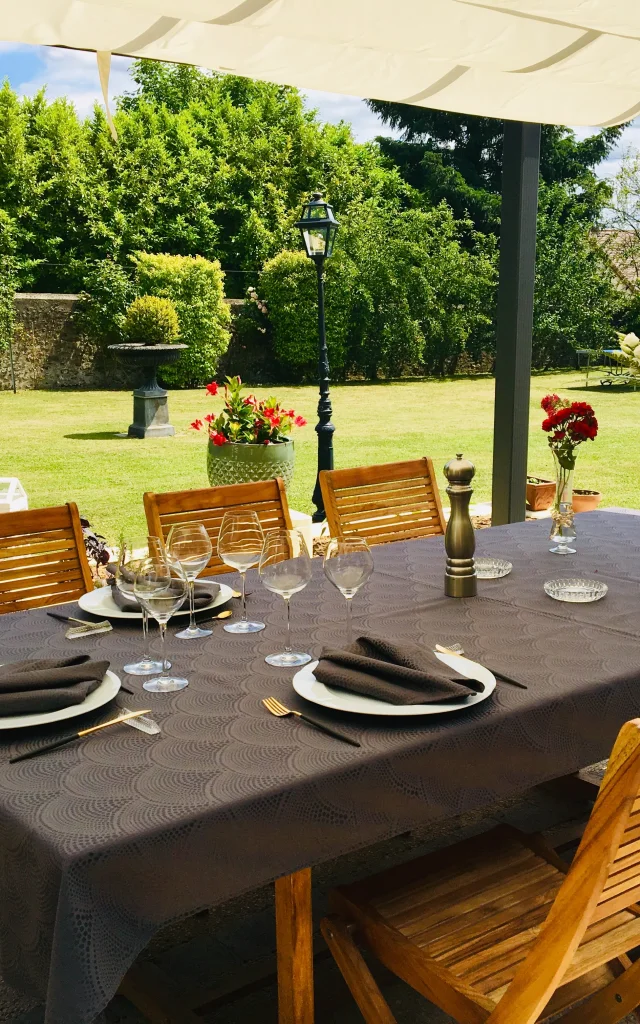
[[576, 591], [492, 568]]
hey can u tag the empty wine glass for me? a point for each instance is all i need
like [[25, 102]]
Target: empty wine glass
[[348, 564], [125, 580], [189, 549], [285, 568], [240, 545], [161, 594]]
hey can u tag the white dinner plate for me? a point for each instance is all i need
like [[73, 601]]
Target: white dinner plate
[[306, 685], [101, 695], [100, 602]]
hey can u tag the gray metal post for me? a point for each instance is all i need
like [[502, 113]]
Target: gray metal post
[[520, 167]]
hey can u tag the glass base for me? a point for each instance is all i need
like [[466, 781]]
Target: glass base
[[144, 667], [242, 626], [165, 684], [562, 550], [193, 634], [285, 660]]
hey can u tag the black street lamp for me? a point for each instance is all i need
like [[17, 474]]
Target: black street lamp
[[318, 228]]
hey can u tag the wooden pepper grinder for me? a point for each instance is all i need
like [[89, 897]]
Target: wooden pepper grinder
[[460, 578]]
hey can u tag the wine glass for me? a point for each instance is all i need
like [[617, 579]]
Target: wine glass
[[189, 549], [161, 594], [125, 580], [348, 564], [239, 545], [285, 568]]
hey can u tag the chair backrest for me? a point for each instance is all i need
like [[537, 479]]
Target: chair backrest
[[394, 501], [43, 559], [603, 880], [209, 505]]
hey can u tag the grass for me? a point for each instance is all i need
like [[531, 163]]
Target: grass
[[64, 445]]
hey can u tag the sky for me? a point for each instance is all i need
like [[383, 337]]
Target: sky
[[74, 74]]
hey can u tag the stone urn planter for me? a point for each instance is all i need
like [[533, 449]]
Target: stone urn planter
[[585, 501], [150, 403], [540, 493], [241, 463]]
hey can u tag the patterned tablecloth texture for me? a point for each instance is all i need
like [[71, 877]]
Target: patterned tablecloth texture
[[103, 841]]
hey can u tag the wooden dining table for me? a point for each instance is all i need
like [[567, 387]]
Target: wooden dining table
[[104, 841]]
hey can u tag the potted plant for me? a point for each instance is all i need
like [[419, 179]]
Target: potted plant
[[248, 440], [151, 320], [585, 501], [540, 493]]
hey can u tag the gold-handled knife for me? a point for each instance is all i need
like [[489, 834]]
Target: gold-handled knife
[[77, 736]]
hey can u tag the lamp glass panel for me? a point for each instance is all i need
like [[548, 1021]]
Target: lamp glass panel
[[315, 241]]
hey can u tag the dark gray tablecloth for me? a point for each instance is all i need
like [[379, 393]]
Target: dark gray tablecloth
[[102, 842]]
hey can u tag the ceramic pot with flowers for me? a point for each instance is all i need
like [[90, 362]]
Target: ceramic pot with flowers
[[568, 425], [248, 441]]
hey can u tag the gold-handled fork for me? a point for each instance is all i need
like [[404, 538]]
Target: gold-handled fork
[[280, 711]]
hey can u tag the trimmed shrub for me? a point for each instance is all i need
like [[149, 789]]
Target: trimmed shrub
[[106, 292], [151, 320], [196, 288]]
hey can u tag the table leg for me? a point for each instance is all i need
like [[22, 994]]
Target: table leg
[[294, 934]]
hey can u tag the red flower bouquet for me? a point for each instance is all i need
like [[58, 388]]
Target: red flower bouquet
[[246, 420], [568, 424]]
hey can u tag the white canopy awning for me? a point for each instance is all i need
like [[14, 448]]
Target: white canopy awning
[[556, 61]]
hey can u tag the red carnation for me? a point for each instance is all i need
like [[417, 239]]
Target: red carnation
[[212, 388]]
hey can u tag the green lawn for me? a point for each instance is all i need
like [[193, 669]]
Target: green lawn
[[63, 445]]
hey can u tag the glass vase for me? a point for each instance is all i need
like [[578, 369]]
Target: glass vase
[[563, 532]]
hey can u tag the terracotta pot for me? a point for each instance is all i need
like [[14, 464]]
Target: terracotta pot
[[540, 495], [234, 463], [585, 501]]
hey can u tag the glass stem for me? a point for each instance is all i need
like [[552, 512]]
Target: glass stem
[[145, 634], [349, 620], [287, 647], [192, 605], [163, 629], [244, 597]]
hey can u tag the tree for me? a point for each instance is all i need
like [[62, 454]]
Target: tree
[[458, 158]]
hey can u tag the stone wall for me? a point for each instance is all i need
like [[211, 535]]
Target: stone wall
[[49, 353]]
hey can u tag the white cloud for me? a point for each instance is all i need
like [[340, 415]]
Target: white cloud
[[74, 74], [335, 108]]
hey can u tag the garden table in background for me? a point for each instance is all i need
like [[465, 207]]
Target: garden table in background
[[105, 841]]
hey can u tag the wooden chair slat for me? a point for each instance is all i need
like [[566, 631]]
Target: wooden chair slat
[[495, 935], [208, 506], [43, 560], [394, 501]]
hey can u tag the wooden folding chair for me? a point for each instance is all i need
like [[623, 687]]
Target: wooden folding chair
[[43, 559], [499, 929], [394, 501], [209, 505]]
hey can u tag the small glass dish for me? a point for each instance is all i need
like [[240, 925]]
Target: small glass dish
[[492, 568], [576, 591]]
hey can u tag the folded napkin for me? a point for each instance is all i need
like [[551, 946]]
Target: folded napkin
[[204, 595], [395, 673], [47, 684]]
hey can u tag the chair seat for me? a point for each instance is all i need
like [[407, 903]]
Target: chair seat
[[475, 910]]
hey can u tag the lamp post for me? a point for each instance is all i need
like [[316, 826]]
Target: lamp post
[[318, 228]]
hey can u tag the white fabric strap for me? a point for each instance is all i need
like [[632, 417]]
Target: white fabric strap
[[104, 70]]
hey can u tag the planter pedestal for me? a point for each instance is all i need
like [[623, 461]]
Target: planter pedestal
[[150, 401]]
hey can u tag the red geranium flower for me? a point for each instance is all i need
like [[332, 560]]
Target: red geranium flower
[[212, 388], [299, 421], [197, 424], [209, 418], [218, 439]]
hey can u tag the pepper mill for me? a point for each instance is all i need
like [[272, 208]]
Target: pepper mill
[[460, 578]]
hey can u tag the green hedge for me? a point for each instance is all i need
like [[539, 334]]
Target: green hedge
[[196, 287]]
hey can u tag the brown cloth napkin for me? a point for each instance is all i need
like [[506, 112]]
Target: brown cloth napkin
[[48, 684], [204, 595], [395, 673]]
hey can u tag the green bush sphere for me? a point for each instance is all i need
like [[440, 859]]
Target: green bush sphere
[[152, 321]]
